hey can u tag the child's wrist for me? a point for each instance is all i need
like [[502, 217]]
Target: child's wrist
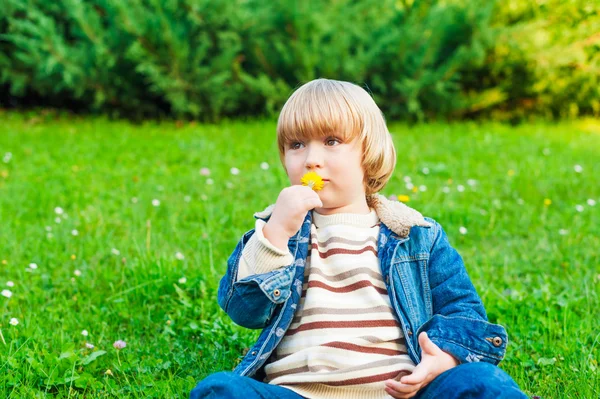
[[276, 235]]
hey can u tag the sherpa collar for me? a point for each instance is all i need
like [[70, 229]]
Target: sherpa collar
[[394, 214]]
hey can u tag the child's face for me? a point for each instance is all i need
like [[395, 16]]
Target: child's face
[[338, 163]]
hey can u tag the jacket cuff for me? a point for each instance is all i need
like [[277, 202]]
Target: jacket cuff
[[468, 340], [260, 256]]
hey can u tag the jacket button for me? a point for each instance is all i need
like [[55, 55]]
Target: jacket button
[[253, 353], [497, 341], [276, 292]]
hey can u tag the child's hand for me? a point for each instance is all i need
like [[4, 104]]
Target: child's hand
[[434, 362], [290, 210]]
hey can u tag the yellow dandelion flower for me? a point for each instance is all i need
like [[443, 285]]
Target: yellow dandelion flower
[[4, 261], [403, 198], [415, 189], [73, 257], [312, 180], [547, 201], [511, 172]]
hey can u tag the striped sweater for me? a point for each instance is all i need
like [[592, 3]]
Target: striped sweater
[[344, 341]]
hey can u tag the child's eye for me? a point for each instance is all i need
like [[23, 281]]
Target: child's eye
[[331, 141], [296, 145]]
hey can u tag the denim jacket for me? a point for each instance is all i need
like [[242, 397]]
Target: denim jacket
[[425, 278]]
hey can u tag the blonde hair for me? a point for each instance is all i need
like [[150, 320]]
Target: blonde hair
[[324, 107]]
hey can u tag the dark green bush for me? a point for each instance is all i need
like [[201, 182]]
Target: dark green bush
[[209, 59]]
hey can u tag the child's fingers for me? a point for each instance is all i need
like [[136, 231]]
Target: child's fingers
[[400, 387], [312, 203], [417, 377], [427, 345]]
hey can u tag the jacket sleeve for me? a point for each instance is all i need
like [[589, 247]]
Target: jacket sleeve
[[260, 256], [251, 301], [459, 324]]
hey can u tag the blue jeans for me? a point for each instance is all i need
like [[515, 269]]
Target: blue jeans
[[469, 380]]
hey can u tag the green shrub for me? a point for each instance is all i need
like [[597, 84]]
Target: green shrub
[[209, 59]]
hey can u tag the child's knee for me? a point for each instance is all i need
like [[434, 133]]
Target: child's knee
[[215, 385], [484, 379]]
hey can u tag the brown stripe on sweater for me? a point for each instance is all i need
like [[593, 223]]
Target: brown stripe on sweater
[[345, 275], [362, 380], [297, 370], [342, 324], [343, 251], [348, 288], [351, 311], [363, 349], [341, 240], [388, 361]]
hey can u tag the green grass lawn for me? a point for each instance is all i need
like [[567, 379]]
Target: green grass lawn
[[143, 237]]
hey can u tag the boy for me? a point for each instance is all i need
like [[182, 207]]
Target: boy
[[357, 296]]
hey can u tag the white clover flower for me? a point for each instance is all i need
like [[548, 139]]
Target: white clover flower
[[205, 171], [422, 188], [187, 198], [203, 197], [179, 256], [546, 151], [58, 210], [462, 230], [84, 333], [234, 171], [89, 346], [182, 280], [7, 157], [591, 202], [48, 228], [229, 184], [58, 220], [134, 200], [425, 171], [10, 284], [409, 186], [210, 182], [155, 202], [579, 208], [407, 179], [13, 321], [520, 201], [578, 168], [460, 188], [6, 293], [446, 189], [264, 166], [77, 272], [33, 266], [115, 251], [471, 182], [74, 232], [563, 232]]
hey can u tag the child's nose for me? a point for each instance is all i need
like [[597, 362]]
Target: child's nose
[[314, 158]]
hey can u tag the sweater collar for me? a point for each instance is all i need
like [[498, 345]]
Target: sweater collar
[[398, 217]]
